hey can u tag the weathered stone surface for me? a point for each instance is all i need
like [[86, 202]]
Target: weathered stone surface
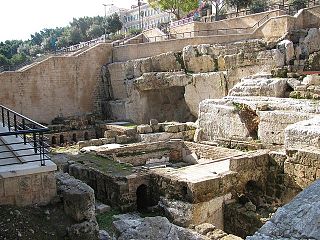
[[205, 86], [88, 230], [152, 228], [303, 134], [269, 87], [222, 118], [221, 121], [286, 48], [311, 80], [196, 59], [78, 197], [311, 43], [300, 219], [144, 129], [161, 80], [274, 57], [272, 124]]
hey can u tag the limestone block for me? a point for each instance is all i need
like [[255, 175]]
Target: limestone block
[[165, 62], [172, 128], [286, 48], [274, 57], [311, 80], [110, 134], [78, 197], [162, 136], [270, 87], [293, 83], [311, 42], [221, 63], [273, 124], [108, 140], [122, 139], [219, 121], [95, 142], [303, 134], [196, 61], [205, 86], [142, 129]]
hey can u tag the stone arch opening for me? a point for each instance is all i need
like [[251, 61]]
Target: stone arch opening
[[53, 140], [86, 136], [61, 138], [143, 201], [254, 192], [74, 137]]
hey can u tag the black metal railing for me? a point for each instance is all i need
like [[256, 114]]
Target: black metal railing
[[29, 143]]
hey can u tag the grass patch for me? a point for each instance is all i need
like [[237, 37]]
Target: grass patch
[[105, 219], [104, 164], [69, 149]]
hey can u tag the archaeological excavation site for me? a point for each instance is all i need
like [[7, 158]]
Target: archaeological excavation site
[[210, 135]]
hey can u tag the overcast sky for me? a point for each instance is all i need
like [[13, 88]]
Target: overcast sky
[[20, 18]]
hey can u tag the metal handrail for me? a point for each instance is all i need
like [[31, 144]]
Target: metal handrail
[[31, 133]]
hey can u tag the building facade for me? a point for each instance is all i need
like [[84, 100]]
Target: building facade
[[149, 17]]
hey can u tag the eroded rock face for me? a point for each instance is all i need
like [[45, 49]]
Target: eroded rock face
[[286, 47], [152, 228], [261, 86], [78, 197], [311, 43], [303, 134], [300, 219], [222, 118]]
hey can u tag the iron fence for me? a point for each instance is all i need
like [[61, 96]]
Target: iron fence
[[29, 142]]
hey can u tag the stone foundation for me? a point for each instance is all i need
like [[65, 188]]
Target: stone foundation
[[32, 189]]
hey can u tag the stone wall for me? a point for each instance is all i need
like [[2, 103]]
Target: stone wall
[[57, 86], [275, 28], [117, 191], [303, 166], [33, 189]]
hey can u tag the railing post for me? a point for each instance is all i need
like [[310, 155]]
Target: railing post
[[35, 142], [15, 123], [2, 115], [24, 134], [8, 118]]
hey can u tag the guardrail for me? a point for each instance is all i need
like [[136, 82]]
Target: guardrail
[[30, 140], [205, 32]]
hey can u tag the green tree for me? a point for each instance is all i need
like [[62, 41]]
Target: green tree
[[95, 31], [3, 60], [176, 7], [18, 59], [258, 6], [239, 4], [113, 23], [298, 4], [218, 5]]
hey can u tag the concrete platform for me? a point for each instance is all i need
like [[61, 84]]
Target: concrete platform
[[27, 166]]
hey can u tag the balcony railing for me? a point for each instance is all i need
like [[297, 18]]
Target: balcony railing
[[22, 140]]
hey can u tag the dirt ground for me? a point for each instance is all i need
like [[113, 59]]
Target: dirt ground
[[34, 223]]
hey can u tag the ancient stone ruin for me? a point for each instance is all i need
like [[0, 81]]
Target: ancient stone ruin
[[207, 137]]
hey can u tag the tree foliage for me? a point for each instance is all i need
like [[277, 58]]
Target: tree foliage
[[239, 4], [299, 4], [176, 7], [258, 6], [79, 30]]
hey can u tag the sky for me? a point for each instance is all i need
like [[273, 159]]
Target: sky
[[20, 18]]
